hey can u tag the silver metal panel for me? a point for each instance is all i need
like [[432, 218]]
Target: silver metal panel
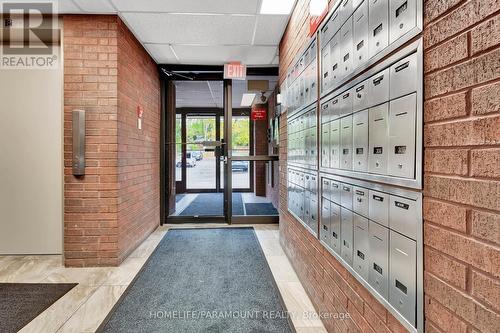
[[325, 145], [360, 141], [378, 91], [402, 18], [403, 215], [313, 154], [325, 68], [378, 207], [360, 200], [346, 143], [346, 195], [335, 191], [403, 284], [346, 42], [361, 246], [378, 275], [336, 60], [345, 103], [360, 96], [325, 188], [325, 232], [335, 144], [335, 107], [378, 139], [326, 32], [307, 207], [346, 238], [325, 112], [78, 123], [403, 76], [335, 226], [345, 10], [314, 186], [378, 25], [313, 217], [402, 119], [360, 35], [313, 82], [335, 21]]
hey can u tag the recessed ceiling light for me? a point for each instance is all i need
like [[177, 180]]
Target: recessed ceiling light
[[276, 7], [247, 99]]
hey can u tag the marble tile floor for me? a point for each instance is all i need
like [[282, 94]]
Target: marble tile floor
[[84, 307]]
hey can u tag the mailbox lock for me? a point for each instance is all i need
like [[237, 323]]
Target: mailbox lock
[[377, 164], [358, 199], [400, 166]]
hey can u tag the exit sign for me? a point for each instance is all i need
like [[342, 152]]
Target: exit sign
[[235, 71]]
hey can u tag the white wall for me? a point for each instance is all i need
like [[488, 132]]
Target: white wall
[[31, 180]]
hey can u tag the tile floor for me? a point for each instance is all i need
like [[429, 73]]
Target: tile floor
[[85, 306]]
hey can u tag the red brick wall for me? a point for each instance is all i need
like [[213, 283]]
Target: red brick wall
[[461, 181], [95, 205], [138, 150]]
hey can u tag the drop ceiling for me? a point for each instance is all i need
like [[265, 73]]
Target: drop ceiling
[[208, 94], [205, 32]]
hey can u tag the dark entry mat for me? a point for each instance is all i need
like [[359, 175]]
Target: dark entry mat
[[202, 280], [178, 197], [20, 303], [212, 204], [260, 209]]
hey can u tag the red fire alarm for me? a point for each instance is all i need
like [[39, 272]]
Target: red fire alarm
[[140, 112]]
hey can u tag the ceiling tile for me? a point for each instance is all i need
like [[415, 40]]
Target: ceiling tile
[[192, 29], [95, 6], [190, 6], [162, 53], [218, 55], [270, 29]]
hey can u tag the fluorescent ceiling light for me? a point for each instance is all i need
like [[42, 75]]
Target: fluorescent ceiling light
[[247, 99], [276, 7]]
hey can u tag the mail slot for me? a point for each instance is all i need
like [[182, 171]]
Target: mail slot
[[403, 286], [346, 195], [335, 107], [346, 239], [403, 216], [360, 141], [335, 144], [378, 139], [402, 17], [361, 246], [404, 77], [378, 207], [324, 231], [402, 118], [378, 88], [346, 47], [325, 145], [378, 273], [325, 188], [360, 35], [360, 200], [325, 68], [360, 96], [335, 190], [345, 10], [346, 143], [335, 59], [335, 227], [378, 25]]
